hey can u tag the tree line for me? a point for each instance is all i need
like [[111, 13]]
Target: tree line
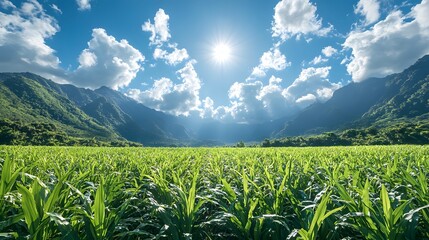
[[399, 133], [48, 134]]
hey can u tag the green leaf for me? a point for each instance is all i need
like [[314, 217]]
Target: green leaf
[[99, 209], [53, 197], [8, 176], [228, 189], [29, 208], [399, 211], [387, 210]]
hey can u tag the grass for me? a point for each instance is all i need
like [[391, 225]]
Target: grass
[[378, 192]]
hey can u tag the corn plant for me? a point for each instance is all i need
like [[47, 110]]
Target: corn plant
[[378, 192], [39, 204], [8, 215], [319, 215]]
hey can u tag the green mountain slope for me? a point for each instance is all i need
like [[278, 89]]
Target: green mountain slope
[[379, 102], [25, 100], [103, 113], [409, 96], [30, 100]]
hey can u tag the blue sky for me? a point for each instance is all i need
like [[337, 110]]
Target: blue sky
[[230, 60]]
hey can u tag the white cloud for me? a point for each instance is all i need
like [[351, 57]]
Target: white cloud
[[272, 59], [177, 99], [307, 99], [390, 45], [23, 33], [208, 110], [272, 99], [165, 95], [312, 81], [318, 59], [173, 58], [83, 5], [420, 13], [107, 62], [56, 9], [6, 4], [325, 94], [253, 101], [159, 30], [257, 72], [245, 106], [160, 88], [296, 18], [329, 51], [87, 59], [256, 102], [370, 9]]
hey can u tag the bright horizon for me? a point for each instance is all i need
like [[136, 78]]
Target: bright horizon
[[235, 61]]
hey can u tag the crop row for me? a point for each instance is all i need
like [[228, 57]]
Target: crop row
[[198, 193]]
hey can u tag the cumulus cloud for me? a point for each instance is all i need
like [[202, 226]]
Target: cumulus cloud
[[329, 51], [273, 100], [272, 59], [159, 30], [83, 5], [390, 45], [171, 58], [164, 95], [245, 106], [370, 9], [208, 110], [23, 34], [253, 101], [177, 99], [107, 62], [256, 102], [296, 18], [311, 81], [87, 59]]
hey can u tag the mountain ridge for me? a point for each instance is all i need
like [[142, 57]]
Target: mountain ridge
[[108, 114], [101, 109], [375, 101]]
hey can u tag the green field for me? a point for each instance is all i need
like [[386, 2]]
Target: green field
[[216, 193]]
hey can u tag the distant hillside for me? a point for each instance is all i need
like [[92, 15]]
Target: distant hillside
[[373, 102], [25, 100], [104, 113], [28, 101]]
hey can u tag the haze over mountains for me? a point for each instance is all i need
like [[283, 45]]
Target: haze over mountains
[[108, 114]]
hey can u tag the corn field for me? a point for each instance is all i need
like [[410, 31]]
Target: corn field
[[214, 193]]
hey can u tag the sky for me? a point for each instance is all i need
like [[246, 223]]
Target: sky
[[243, 61]]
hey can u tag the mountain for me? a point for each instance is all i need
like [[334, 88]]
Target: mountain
[[24, 99], [108, 114], [102, 113], [373, 102]]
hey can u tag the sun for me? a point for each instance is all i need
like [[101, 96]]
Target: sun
[[221, 53]]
